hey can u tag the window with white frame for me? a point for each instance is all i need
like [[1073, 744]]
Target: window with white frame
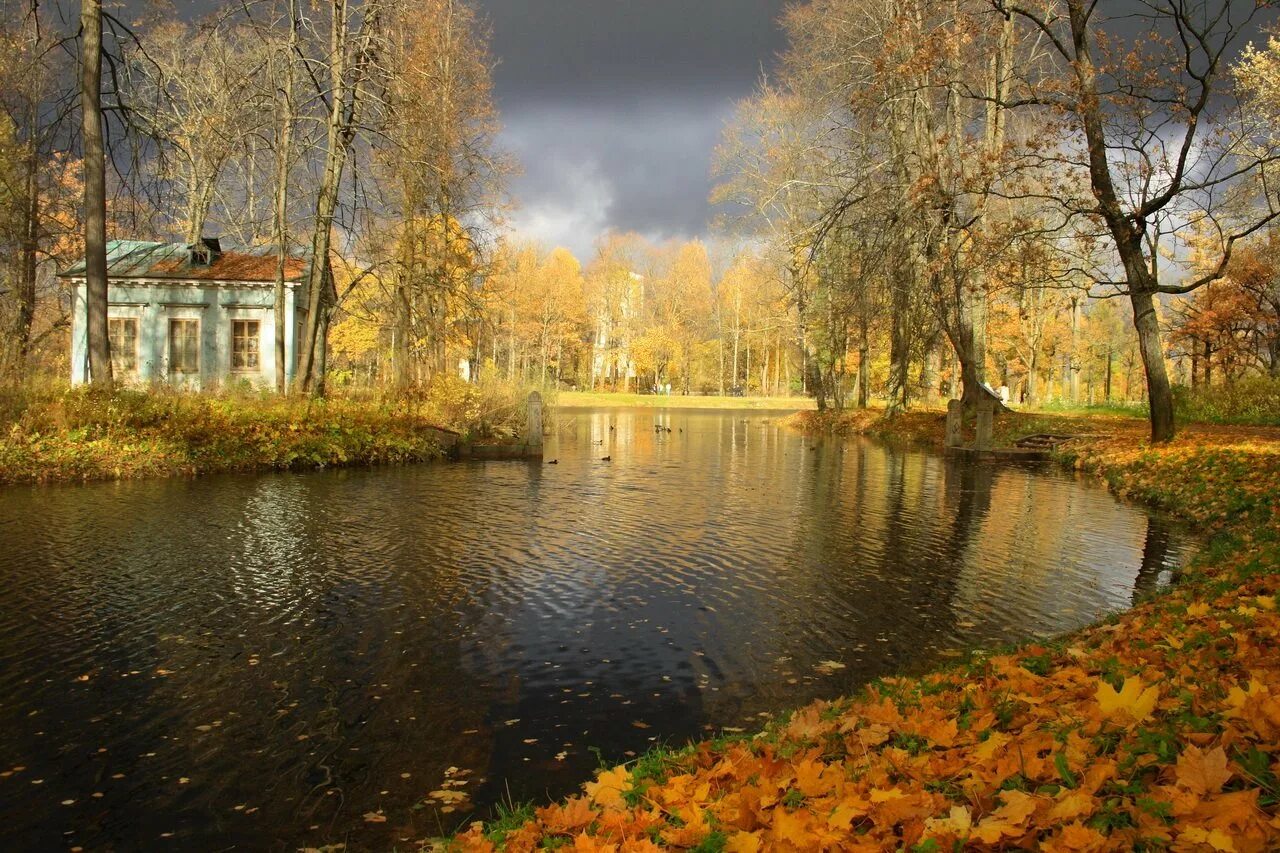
[[123, 335], [184, 346], [246, 340]]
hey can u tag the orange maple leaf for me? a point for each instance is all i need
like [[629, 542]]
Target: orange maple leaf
[[792, 828], [1010, 819], [564, 818], [743, 842], [1202, 772]]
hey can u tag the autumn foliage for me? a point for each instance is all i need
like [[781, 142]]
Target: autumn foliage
[[1159, 730]]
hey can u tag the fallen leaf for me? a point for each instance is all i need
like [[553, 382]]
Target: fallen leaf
[[1202, 772], [1132, 701]]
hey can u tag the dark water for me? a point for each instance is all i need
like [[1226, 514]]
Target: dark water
[[256, 662]]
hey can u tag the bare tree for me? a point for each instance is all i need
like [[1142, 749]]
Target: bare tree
[[1157, 161], [348, 60], [191, 89]]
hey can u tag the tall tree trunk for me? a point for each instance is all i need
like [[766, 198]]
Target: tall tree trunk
[[1031, 379], [737, 333], [511, 347], [1128, 235], [322, 352], [280, 223], [30, 246], [95, 193], [199, 200], [929, 375], [1159, 390], [1073, 360], [864, 363], [1110, 361], [401, 331], [720, 346]]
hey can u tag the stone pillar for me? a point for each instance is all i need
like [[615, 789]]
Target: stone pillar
[[986, 417], [955, 421], [533, 433]]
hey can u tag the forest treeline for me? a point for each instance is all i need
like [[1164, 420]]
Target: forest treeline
[[922, 197]]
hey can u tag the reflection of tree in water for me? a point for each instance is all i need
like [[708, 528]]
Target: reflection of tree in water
[[867, 546], [1156, 553], [968, 488]]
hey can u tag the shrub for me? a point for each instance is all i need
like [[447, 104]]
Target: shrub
[[56, 432], [1252, 400]]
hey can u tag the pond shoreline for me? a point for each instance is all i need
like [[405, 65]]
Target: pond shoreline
[[193, 435], [1097, 734]]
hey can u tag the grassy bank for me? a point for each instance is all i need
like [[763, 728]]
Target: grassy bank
[[1158, 729], [65, 435], [604, 399]]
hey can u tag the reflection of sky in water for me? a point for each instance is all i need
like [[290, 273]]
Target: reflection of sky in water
[[344, 629]]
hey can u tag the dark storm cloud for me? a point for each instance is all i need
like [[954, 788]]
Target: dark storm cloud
[[615, 106], [606, 48]]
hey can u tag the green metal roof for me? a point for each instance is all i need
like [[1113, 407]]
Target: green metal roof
[[146, 259]]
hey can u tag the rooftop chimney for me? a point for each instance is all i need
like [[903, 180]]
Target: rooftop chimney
[[205, 252]]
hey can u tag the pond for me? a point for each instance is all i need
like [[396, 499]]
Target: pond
[[263, 661]]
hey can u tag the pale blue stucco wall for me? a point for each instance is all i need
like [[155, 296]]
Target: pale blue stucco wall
[[215, 305]]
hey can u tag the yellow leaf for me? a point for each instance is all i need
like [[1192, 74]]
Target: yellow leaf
[[1237, 697], [792, 828], [1010, 819], [743, 842], [609, 787], [883, 796], [1198, 609], [987, 750], [957, 823], [843, 815], [1215, 838], [1072, 805], [1132, 701]]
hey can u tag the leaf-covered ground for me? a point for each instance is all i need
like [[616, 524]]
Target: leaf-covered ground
[[1158, 730]]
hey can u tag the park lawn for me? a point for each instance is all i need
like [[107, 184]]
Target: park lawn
[[606, 399], [1158, 729]]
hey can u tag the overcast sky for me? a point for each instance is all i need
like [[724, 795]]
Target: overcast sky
[[614, 107]]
